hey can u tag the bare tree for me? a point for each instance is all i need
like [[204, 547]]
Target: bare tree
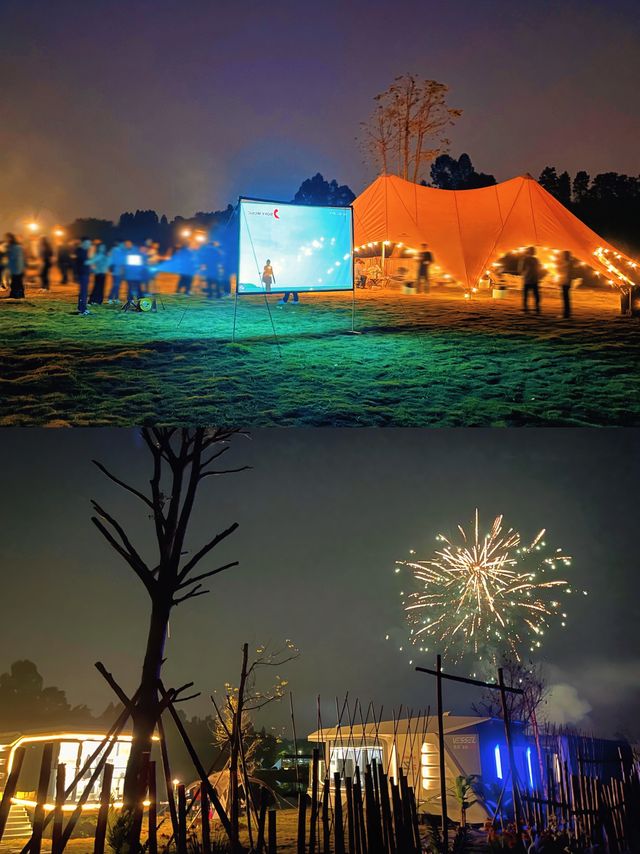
[[527, 676], [411, 117], [233, 729], [181, 459]]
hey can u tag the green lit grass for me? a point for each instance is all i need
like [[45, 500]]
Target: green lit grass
[[433, 360]]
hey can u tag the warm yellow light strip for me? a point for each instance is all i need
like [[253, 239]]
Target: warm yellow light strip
[[600, 254], [25, 802]]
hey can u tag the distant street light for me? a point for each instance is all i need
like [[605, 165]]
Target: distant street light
[[186, 232], [33, 227]]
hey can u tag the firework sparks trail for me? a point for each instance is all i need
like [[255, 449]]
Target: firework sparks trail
[[487, 594]]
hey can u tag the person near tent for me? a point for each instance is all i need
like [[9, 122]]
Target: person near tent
[[565, 273], [360, 273], [425, 259], [529, 269]]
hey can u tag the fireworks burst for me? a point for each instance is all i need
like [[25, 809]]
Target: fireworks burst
[[487, 594]]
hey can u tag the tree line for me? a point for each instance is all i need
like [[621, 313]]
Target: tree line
[[148, 224]]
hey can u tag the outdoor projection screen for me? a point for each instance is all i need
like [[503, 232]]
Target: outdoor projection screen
[[309, 248]]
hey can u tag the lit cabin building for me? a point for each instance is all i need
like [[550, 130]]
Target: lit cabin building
[[473, 746], [73, 750]]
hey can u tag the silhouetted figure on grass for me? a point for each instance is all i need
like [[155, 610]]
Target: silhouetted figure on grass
[[65, 263], [529, 269], [425, 259], [15, 265], [116, 266], [565, 272], [46, 260], [210, 264], [82, 273], [100, 266]]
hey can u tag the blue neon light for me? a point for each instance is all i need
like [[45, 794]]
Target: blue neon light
[[496, 752], [529, 768]]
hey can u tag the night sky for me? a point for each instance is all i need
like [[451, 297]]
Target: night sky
[[109, 105], [323, 515]]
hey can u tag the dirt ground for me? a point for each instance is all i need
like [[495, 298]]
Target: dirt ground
[[433, 360]]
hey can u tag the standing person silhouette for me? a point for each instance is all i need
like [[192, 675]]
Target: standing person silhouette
[[46, 259], [529, 269], [425, 259], [565, 271], [268, 277]]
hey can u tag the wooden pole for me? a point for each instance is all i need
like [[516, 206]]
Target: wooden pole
[[443, 782], [313, 821], [348, 784], [338, 829], [204, 821], [56, 835], [273, 844], [181, 840], [512, 760], [302, 822], [152, 815], [326, 840], [41, 798], [10, 788], [103, 811], [262, 817], [168, 780]]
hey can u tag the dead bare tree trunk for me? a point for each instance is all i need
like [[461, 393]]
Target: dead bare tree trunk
[[182, 459]]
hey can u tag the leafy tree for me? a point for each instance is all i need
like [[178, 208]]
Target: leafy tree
[[564, 189], [447, 173], [580, 186], [463, 789], [549, 180], [26, 704], [407, 129], [94, 229], [317, 191]]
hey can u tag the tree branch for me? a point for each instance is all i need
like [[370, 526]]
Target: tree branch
[[124, 485], [204, 551], [207, 574]]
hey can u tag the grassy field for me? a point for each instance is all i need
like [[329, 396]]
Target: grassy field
[[435, 360]]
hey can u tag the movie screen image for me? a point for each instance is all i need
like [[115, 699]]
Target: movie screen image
[[285, 247]]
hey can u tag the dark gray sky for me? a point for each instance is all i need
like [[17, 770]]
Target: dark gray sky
[[109, 105], [323, 515]]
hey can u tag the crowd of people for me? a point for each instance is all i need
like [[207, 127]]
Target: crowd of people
[[556, 839], [131, 270], [121, 273]]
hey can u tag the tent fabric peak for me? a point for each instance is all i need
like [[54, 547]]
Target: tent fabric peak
[[468, 230]]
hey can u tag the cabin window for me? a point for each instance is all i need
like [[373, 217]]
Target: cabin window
[[345, 759]]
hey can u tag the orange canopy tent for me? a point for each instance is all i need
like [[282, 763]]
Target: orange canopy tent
[[468, 230]]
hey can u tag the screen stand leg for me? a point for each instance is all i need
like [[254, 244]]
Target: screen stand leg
[[273, 326], [235, 313], [353, 330]]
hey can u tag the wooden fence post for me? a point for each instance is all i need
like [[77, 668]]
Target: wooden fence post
[[56, 836], [152, 815], [181, 841], [338, 829], [103, 812], [313, 821], [204, 820], [41, 798], [302, 822], [272, 843]]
